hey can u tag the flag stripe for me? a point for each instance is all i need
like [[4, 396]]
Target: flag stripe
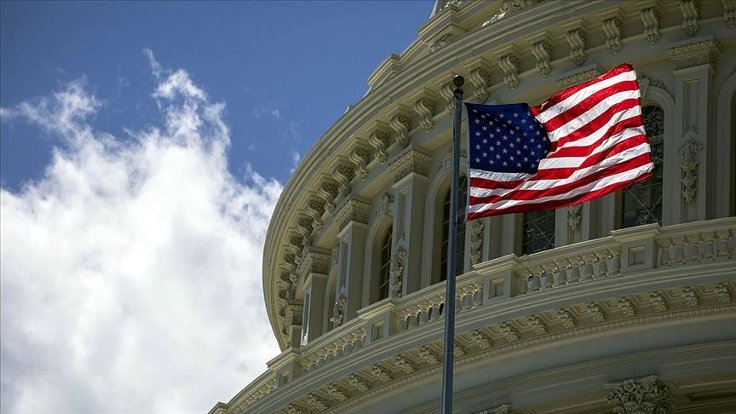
[[597, 145]]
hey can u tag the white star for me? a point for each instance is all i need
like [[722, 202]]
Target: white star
[[505, 163], [523, 120], [485, 154], [485, 141], [477, 160], [526, 146], [516, 115], [518, 164], [498, 129], [485, 128], [498, 157], [518, 139], [518, 152], [505, 138], [511, 157], [490, 162], [511, 145], [477, 133], [477, 121], [505, 150], [500, 115], [526, 159], [477, 146], [539, 133]]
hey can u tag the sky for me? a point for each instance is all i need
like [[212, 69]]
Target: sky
[[143, 147]]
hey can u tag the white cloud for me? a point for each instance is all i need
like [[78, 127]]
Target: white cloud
[[130, 273]]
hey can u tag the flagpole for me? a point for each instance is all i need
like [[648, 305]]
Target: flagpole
[[449, 309]]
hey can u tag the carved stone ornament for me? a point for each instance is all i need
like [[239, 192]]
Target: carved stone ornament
[[338, 311], [476, 241], [699, 52], [384, 204], [510, 64], [659, 304], [645, 396], [480, 78], [335, 393], [358, 383], [689, 9], [315, 402], [542, 51], [315, 209], [508, 8], [508, 331], [573, 216], [328, 192], [352, 210], [576, 40], [501, 409], [729, 12], [565, 317], [411, 161], [583, 75], [404, 364], [612, 29], [397, 272], [689, 168], [428, 356], [650, 19], [425, 108], [379, 140], [448, 94], [596, 312], [315, 260], [304, 228], [401, 124], [722, 293], [343, 173], [360, 157], [443, 41], [443, 5]]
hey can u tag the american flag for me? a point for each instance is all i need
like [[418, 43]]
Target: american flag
[[582, 143]]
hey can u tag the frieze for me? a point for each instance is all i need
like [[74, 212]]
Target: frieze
[[585, 74], [352, 210], [699, 52], [315, 260], [411, 161]]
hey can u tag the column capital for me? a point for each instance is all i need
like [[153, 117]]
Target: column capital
[[352, 210], [695, 52], [410, 161], [643, 396]]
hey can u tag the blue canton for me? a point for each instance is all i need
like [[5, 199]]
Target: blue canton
[[505, 138]]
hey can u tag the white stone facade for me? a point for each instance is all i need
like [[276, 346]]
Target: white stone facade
[[609, 317]]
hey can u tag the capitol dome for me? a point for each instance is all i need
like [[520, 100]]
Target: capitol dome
[[623, 304]]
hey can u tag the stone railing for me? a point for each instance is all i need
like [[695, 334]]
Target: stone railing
[[338, 342]]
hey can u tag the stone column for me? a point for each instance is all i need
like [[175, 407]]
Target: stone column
[[410, 191], [352, 219], [690, 154], [644, 396]]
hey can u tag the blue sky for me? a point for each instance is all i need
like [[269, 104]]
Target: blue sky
[[143, 147], [286, 70]]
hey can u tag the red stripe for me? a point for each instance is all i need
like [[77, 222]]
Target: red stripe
[[571, 151], [558, 203], [599, 122], [588, 103], [561, 96], [631, 164]]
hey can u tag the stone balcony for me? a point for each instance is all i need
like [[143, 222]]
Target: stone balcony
[[635, 276]]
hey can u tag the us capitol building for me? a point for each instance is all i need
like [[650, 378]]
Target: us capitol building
[[626, 304]]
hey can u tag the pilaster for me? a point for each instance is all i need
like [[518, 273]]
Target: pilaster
[[313, 268], [352, 219], [409, 191], [688, 173]]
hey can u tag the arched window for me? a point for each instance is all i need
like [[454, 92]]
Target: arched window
[[641, 202], [460, 252], [384, 268], [538, 231]]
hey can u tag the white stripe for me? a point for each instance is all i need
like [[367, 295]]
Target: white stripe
[[600, 132], [497, 176], [580, 95], [591, 114], [608, 143], [590, 187], [540, 185]]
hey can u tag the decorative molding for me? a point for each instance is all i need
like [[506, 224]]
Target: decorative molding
[[576, 38], [501, 409], [585, 74], [357, 383], [304, 228], [404, 364], [328, 191], [479, 339], [360, 157], [542, 50], [380, 373], [401, 124], [352, 210], [315, 402], [536, 324], [448, 94], [659, 304], [315, 209], [644, 396], [612, 29], [335, 393], [729, 12], [411, 161], [699, 52], [379, 140], [565, 317], [425, 108], [476, 241], [428, 356], [315, 260], [480, 78], [596, 312], [689, 10], [384, 204], [510, 64], [509, 8], [689, 167], [508, 331], [443, 41], [573, 216], [650, 19], [397, 272], [338, 311], [722, 293], [690, 297], [343, 173], [626, 307]]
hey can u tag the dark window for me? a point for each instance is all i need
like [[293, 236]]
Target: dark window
[[538, 231], [642, 201], [460, 252], [384, 270]]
